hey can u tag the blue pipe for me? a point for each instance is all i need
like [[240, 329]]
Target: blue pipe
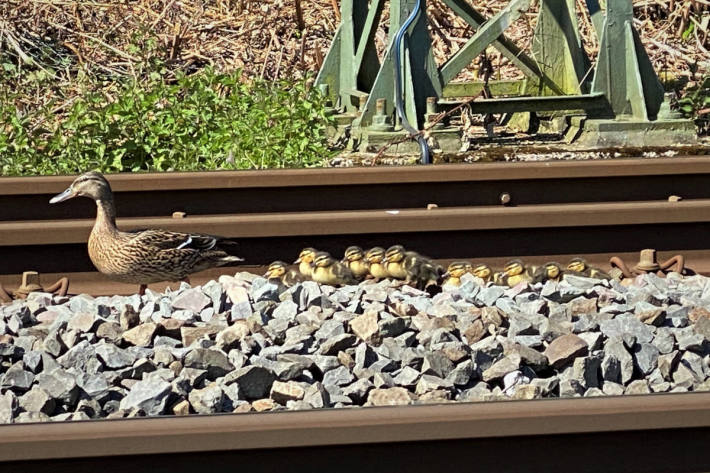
[[399, 106]]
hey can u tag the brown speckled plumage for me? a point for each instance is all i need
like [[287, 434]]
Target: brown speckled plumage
[[144, 256]]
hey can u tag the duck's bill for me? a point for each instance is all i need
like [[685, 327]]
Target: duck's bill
[[66, 195], [446, 274], [297, 261]]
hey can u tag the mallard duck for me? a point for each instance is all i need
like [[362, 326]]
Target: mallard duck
[[411, 267], [374, 257], [483, 272], [142, 256], [452, 276], [550, 271], [579, 267], [326, 270], [514, 272], [305, 261], [280, 271], [354, 259]]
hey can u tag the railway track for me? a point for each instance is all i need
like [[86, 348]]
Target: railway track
[[659, 433], [556, 210], [553, 210]]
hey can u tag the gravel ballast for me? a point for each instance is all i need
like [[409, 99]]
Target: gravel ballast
[[245, 344]]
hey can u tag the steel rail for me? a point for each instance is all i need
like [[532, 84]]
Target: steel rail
[[375, 221], [371, 175], [294, 438]]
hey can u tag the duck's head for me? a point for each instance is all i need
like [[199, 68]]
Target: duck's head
[[552, 270], [577, 265], [353, 253], [514, 267], [323, 260], [375, 255], [457, 269], [91, 184], [394, 254], [276, 270], [307, 255], [482, 271]]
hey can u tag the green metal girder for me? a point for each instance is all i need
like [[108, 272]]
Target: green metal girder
[[624, 72], [485, 35], [557, 47], [587, 102], [472, 89], [506, 47], [622, 88]]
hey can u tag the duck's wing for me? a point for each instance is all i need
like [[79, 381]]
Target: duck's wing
[[167, 240]]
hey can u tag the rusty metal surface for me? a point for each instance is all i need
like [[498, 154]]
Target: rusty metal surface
[[141, 195], [376, 221], [353, 426], [663, 432]]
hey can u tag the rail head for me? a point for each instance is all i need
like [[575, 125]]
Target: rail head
[[353, 426], [130, 182]]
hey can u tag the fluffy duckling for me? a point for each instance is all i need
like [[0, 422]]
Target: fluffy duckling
[[376, 267], [514, 272], [452, 276], [483, 272], [305, 261], [142, 256], [354, 259], [550, 271], [579, 267], [326, 270], [394, 261], [412, 267], [280, 271]]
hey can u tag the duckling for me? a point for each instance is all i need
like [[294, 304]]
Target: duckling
[[142, 256], [548, 272], [280, 271], [452, 276], [514, 272], [305, 261], [483, 272], [394, 262], [412, 267], [579, 267], [328, 271], [354, 259], [376, 267]]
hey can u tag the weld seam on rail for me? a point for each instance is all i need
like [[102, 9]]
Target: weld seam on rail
[[376, 221], [353, 426], [363, 176]]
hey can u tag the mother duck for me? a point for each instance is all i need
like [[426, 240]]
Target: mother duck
[[142, 256]]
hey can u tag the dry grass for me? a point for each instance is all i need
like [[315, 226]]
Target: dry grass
[[282, 38]]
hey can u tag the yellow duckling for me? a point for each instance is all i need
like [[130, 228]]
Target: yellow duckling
[[579, 267], [452, 276], [483, 272], [548, 272], [514, 272], [412, 267], [354, 259], [376, 267], [328, 271], [280, 271], [305, 261], [395, 264]]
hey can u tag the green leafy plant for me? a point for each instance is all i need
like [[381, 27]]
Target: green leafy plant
[[695, 104], [165, 122]]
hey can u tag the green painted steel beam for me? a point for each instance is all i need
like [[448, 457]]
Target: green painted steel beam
[[473, 89], [596, 102], [507, 48], [483, 37]]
